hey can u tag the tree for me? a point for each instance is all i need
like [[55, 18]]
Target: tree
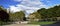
[[4, 16], [35, 16], [42, 12], [17, 16], [52, 12]]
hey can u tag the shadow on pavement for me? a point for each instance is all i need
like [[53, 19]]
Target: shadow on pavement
[[54, 24]]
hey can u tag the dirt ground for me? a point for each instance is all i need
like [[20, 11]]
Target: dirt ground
[[21, 25]]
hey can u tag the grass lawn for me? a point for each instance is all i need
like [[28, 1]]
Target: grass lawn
[[42, 23]]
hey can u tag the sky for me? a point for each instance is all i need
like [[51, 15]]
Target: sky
[[29, 6]]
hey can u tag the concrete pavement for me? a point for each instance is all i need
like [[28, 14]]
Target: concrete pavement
[[21, 25]]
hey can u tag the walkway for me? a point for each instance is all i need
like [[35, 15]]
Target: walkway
[[21, 24]]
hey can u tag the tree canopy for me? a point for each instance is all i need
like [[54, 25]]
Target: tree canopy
[[17, 16], [4, 16], [50, 12]]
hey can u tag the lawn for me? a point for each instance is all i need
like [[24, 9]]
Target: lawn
[[42, 23]]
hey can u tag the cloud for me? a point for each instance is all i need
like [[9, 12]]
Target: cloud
[[17, 0], [29, 6], [15, 9]]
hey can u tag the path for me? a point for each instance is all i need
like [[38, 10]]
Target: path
[[21, 25]]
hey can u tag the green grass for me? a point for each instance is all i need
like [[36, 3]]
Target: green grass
[[4, 23], [41, 23]]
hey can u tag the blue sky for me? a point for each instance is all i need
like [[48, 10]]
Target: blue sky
[[7, 3], [29, 6]]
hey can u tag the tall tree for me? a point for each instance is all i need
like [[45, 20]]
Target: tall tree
[[17, 16], [52, 12], [4, 16]]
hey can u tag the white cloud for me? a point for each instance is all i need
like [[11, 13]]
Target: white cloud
[[18, 0], [31, 4], [28, 5], [14, 9]]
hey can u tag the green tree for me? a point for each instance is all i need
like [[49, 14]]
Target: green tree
[[42, 12], [17, 16], [3, 14]]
